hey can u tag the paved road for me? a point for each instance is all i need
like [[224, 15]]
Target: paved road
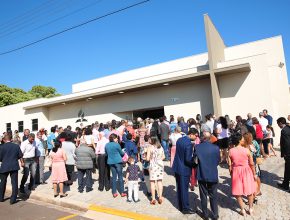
[[34, 210]]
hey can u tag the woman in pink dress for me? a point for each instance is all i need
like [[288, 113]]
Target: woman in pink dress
[[58, 172], [242, 170]]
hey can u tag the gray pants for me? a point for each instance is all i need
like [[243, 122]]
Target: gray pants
[[39, 178], [29, 167]]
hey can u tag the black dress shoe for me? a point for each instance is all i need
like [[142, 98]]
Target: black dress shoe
[[215, 218], [188, 212], [31, 188], [89, 189], [204, 217], [101, 189], [15, 201], [282, 186]]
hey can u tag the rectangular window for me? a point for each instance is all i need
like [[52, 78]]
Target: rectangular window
[[20, 126], [34, 124], [8, 127]]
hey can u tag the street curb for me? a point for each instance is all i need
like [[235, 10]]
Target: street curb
[[84, 207], [79, 206]]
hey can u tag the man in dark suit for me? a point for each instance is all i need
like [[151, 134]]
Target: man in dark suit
[[10, 153], [285, 151], [208, 156], [182, 167]]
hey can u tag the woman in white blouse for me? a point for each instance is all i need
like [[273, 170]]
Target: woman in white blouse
[[173, 139]]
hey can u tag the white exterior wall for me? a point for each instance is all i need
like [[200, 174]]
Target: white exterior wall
[[14, 113], [265, 87], [186, 99], [144, 72]]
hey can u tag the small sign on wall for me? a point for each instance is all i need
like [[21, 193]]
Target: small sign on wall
[[174, 99]]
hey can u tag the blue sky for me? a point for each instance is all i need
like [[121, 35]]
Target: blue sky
[[157, 31]]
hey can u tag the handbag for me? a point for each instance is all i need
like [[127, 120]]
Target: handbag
[[125, 158], [48, 161], [259, 160]]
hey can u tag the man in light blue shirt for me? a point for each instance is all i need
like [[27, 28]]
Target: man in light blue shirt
[[50, 139], [40, 153]]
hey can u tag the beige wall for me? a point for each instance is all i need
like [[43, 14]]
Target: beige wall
[[265, 87], [186, 99], [196, 61], [14, 113], [242, 93]]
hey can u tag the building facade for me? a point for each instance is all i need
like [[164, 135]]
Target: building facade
[[226, 80]]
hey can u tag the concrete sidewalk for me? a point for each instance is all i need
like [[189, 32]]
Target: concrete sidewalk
[[273, 204]]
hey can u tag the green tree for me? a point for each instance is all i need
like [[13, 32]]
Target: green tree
[[9, 96], [43, 91]]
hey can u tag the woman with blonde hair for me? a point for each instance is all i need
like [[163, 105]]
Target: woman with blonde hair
[[155, 154], [242, 170]]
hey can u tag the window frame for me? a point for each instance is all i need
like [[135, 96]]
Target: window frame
[[7, 130], [34, 124], [19, 126]]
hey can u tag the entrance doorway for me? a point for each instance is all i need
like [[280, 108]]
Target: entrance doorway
[[149, 113]]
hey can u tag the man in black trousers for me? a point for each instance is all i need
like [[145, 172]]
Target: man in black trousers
[[182, 167], [208, 156], [285, 151], [10, 153]]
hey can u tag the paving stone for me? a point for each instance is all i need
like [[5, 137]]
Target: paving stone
[[273, 204]]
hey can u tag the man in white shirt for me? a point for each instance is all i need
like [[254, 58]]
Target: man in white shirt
[[96, 133], [30, 158], [263, 122]]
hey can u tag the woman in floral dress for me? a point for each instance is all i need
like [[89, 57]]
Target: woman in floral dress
[[155, 155]]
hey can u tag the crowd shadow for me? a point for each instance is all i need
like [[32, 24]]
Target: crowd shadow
[[225, 199], [46, 175], [168, 170], [270, 179], [169, 192], [144, 190]]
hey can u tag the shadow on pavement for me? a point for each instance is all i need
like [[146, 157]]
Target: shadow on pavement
[[270, 179], [225, 199]]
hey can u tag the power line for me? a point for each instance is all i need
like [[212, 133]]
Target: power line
[[32, 19], [64, 16], [30, 13], [52, 21], [74, 27]]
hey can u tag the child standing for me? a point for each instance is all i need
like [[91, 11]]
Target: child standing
[[269, 140], [132, 180]]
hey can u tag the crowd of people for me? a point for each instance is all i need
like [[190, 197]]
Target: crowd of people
[[194, 149]]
